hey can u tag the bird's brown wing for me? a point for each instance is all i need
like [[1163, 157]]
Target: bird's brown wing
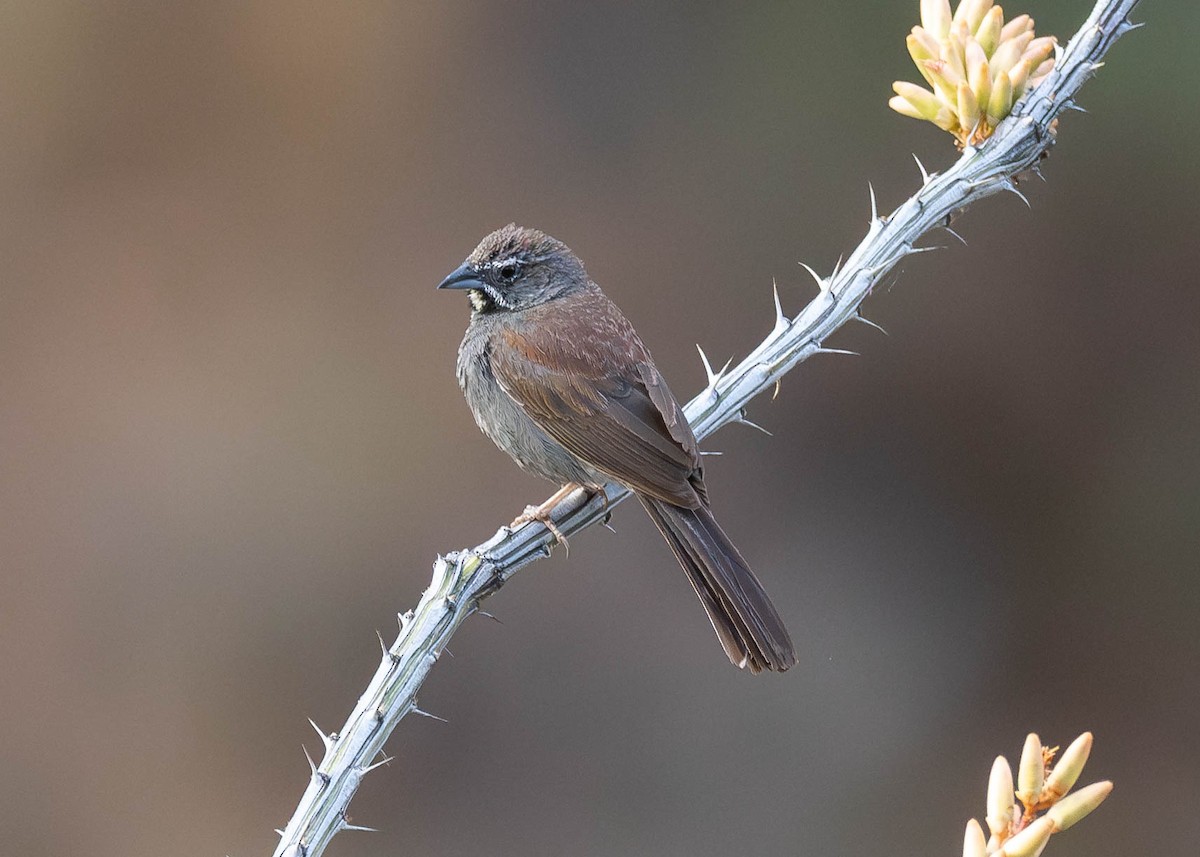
[[598, 394]]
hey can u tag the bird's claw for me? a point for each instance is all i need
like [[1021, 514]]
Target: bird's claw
[[542, 515]]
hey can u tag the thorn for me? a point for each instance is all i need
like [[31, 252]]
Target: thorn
[[913, 251], [708, 370], [1128, 26], [348, 826], [311, 764], [1096, 66], [820, 283], [742, 419], [781, 321], [837, 267], [416, 710], [710, 452], [1071, 105], [488, 615], [956, 235], [860, 317], [278, 830], [874, 205], [1012, 188], [607, 522], [382, 645], [447, 651], [823, 350], [327, 740], [778, 386], [925, 177], [366, 769]]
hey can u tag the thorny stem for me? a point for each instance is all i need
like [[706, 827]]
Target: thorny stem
[[463, 579]]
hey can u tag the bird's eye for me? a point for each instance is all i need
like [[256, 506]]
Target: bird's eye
[[508, 272]]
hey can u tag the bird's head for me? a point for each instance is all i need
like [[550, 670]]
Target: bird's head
[[515, 268]]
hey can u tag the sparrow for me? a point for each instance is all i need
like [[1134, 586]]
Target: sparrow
[[558, 378]]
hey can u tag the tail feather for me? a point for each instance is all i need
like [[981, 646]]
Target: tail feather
[[741, 612]]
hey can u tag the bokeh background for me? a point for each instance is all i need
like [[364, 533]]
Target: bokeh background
[[231, 442]]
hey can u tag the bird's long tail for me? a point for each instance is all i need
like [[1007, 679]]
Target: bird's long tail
[[741, 613]]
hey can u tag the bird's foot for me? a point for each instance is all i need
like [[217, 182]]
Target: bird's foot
[[542, 513]]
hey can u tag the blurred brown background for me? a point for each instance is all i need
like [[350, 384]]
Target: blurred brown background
[[231, 442]]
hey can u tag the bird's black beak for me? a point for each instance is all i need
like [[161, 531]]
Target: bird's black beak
[[462, 277]]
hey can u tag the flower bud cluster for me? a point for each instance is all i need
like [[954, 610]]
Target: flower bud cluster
[[977, 66], [1021, 822]]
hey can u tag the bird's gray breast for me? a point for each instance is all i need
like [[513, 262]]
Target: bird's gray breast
[[503, 420]]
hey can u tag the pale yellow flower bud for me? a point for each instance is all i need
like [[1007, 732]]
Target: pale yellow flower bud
[[969, 115], [1032, 772], [976, 65], [1039, 50], [1000, 797], [972, 11], [1030, 842], [978, 77], [925, 102], [1019, 75], [974, 845], [1018, 25], [1075, 807], [1068, 768], [935, 17]]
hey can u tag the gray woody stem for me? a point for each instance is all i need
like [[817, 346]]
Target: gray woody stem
[[461, 580]]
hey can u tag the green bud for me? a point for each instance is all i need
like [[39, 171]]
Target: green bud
[[969, 115], [924, 101], [944, 79], [988, 34], [954, 52], [1009, 52], [919, 48], [1001, 101]]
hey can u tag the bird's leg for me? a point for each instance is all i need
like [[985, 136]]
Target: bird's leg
[[541, 514]]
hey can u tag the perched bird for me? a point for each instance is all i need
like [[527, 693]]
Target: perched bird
[[557, 377]]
